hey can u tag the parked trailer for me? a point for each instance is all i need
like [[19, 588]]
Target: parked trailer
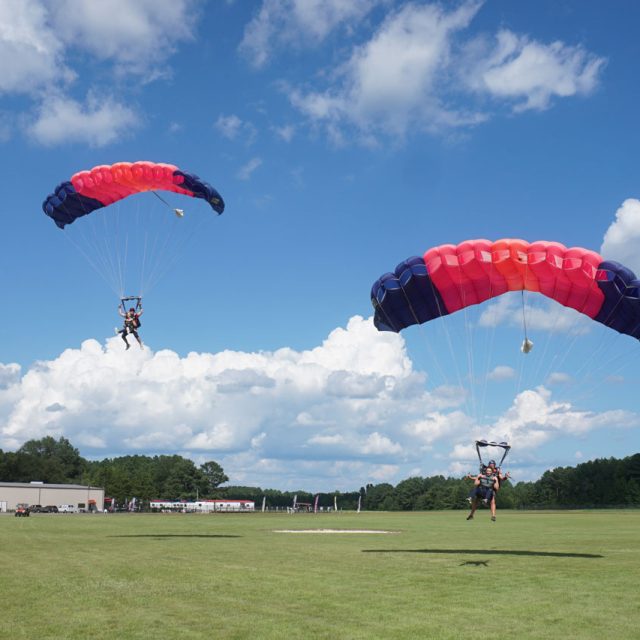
[[203, 506]]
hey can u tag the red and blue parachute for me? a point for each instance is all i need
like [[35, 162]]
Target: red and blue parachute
[[451, 277], [106, 184]]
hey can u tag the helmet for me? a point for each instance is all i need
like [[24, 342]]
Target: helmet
[[492, 463]]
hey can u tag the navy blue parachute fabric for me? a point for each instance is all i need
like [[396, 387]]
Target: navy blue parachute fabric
[[406, 297], [621, 307]]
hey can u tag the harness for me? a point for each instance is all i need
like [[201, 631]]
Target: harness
[[487, 481], [132, 322]]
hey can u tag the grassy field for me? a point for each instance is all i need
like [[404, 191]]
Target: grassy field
[[529, 575]]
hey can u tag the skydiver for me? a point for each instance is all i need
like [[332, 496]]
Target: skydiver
[[502, 477], [131, 325], [485, 485]]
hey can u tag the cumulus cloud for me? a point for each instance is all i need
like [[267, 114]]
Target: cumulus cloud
[[501, 372], [31, 56], [532, 421], [438, 426], [390, 82], [97, 122], [135, 35], [300, 23], [623, 236], [532, 73], [541, 315], [414, 69], [42, 45], [9, 374], [349, 411], [558, 377], [534, 418], [194, 401]]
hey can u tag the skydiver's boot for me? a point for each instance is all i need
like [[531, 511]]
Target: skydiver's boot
[[128, 347]]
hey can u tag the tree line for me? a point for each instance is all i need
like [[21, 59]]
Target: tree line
[[606, 482]]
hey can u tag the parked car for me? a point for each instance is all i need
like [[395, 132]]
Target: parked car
[[36, 508], [22, 510], [50, 508], [67, 508]]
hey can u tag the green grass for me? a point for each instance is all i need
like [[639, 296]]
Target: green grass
[[536, 575]]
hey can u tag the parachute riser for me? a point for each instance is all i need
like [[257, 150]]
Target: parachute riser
[[138, 301], [178, 212], [483, 443]]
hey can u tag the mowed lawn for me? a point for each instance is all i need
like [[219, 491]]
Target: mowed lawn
[[559, 575]]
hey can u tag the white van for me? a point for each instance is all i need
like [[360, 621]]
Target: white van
[[67, 508]]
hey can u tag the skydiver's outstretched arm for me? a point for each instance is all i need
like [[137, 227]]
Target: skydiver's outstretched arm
[[121, 312]]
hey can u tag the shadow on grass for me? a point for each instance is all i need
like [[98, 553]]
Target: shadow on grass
[[174, 535], [489, 552]]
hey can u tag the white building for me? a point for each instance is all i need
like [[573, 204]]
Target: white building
[[33, 493]]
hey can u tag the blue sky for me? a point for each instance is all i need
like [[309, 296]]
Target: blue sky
[[344, 137]]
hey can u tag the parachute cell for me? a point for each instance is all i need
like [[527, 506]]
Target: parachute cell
[[106, 184], [451, 277]]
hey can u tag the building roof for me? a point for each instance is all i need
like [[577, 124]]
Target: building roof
[[44, 485]]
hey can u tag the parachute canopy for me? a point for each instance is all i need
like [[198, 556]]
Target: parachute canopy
[[451, 277], [106, 184]]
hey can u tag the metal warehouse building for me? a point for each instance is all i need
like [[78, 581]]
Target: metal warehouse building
[[12, 493]]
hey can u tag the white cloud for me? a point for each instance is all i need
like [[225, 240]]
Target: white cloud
[[413, 71], [534, 418], [9, 374], [347, 412], [232, 127], [31, 56], [533, 421], [301, 23], [558, 377], [622, 238], [97, 122], [532, 73], [286, 132], [135, 35], [501, 372], [43, 43], [228, 126], [194, 401], [36, 37], [245, 172], [439, 426], [377, 445], [541, 314], [389, 83]]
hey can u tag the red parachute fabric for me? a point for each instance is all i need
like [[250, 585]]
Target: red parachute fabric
[[476, 270], [110, 183]]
